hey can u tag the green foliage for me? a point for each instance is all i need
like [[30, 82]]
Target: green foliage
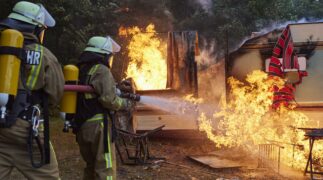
[[77, 21]]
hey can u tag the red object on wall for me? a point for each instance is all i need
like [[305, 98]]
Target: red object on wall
[[284, 49]]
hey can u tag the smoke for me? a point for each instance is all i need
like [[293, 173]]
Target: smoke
[[211, 79], [206, 5], [207, 56], [170, 18], [271, 27], [281, 25]]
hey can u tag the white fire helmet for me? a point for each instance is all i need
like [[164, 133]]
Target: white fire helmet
[[103, 45], [31, 13]]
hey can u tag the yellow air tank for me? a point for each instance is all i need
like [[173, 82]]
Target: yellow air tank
[[9, 67], [69, 100]]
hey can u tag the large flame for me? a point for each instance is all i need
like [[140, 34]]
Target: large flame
[[247, 121], [147, 64]]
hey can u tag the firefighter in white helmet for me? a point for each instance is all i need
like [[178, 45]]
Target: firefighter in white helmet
[[93, 118], [24, 135]]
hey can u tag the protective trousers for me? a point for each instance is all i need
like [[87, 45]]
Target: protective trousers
[[99, 164], [14, 153]]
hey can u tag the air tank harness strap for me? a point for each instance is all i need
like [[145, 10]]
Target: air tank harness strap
[[102, 117], [113, 124], [109, 114], [105, 131], [19, 52], [45, 106]]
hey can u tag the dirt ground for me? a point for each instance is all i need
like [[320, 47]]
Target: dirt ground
[[176, 166]]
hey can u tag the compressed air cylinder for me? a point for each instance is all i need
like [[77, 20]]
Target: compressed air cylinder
[[10, 64], [69, 100], [9, 67]]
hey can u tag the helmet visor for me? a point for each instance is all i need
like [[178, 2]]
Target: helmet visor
[[44, 17], [114, 46]]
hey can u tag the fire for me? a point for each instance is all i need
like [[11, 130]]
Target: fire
[[247, 121], [191, 104], [147, 64], [190, 98]]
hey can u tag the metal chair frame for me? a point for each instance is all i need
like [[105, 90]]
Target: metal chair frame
[[141, 155]]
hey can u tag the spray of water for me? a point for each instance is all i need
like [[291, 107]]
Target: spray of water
[[179, 106], [173, 104]]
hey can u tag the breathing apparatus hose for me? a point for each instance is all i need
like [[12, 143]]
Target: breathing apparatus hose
[[34, 136], [31, 139]]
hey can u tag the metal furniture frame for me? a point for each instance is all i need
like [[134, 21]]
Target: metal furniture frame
[[137, 153]]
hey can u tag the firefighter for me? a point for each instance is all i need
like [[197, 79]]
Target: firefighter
[[24, 138], [94, 126]]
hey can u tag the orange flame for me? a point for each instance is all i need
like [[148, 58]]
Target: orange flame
[[147, 64], [247, 121], [123, 31]]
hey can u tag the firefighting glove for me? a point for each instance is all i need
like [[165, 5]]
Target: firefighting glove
[[128, 105], [125, 86]]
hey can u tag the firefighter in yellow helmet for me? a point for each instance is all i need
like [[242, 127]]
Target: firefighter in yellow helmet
[[24, 138], [93, 121]]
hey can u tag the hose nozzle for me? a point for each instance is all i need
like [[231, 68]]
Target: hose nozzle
[[131, 96]]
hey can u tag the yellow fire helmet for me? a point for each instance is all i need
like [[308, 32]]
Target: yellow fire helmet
[[31, 13], [103, 45]]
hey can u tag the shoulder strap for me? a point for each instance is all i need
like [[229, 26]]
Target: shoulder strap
[[46, 128], [87, 104], [19, 52]]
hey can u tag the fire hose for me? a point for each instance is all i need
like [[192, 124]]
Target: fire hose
[[89, 89]]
